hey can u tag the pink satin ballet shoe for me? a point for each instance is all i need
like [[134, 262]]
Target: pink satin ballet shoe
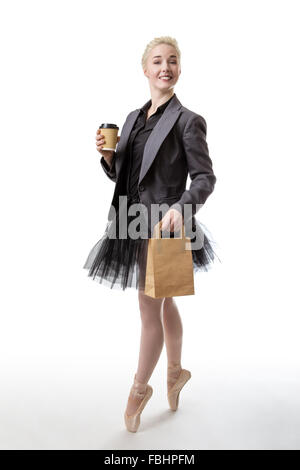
[[132, 422], [173, 394]]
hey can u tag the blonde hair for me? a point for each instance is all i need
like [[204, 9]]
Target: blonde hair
[[155, 42]]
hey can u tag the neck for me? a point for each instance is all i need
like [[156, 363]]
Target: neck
[[158, 98]]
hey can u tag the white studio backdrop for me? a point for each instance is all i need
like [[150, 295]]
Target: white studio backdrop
[[69, 346]]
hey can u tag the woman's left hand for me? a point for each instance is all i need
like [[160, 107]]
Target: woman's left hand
[[172, 221]]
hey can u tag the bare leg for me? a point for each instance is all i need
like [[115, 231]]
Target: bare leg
[[151, 344], [173, 332]]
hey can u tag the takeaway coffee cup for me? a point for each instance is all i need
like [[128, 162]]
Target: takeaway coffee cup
[[110, 132]]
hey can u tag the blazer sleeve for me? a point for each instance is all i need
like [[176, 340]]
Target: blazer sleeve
[[199, 164], [109, 171]]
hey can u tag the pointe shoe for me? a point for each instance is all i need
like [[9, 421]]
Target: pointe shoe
[[173, 394], [132, 422]]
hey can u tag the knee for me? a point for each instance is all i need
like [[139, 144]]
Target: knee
[[145, 301], [150, 309]]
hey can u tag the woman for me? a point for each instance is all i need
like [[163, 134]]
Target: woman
[[160, 144]]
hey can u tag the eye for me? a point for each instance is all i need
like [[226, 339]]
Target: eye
[[174, 62]]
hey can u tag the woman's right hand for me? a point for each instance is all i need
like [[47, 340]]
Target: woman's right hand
[[100, 141]]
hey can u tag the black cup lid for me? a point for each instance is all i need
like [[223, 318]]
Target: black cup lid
[[108, 126]]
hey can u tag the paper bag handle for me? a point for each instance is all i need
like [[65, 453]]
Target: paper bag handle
[[157, 229]]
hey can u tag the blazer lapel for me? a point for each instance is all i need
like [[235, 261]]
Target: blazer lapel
[[156, 138], [159, 133]]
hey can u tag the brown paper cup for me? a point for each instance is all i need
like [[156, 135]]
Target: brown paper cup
[[110, 132]]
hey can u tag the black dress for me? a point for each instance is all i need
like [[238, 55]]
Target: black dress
[[121, 262]]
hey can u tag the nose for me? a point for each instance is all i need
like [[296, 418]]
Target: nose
[[165, 69]]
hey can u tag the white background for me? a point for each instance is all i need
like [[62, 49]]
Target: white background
[[69, 346]]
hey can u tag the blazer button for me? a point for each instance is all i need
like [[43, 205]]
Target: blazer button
[[141, 188]]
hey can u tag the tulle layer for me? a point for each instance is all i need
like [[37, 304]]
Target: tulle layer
[[120, 263]]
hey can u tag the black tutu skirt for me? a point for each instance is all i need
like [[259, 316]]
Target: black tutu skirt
[[120, 263]]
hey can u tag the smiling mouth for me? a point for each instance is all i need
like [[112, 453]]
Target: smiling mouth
[[165, 78]]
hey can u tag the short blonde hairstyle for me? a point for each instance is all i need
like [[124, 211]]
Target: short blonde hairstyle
[[155, 42]]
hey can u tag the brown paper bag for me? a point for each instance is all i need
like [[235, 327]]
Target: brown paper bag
[[169, 269]]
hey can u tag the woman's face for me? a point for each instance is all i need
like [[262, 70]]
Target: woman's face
[[162, 60]]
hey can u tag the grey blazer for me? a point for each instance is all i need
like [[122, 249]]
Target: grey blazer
[[175, 148]]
